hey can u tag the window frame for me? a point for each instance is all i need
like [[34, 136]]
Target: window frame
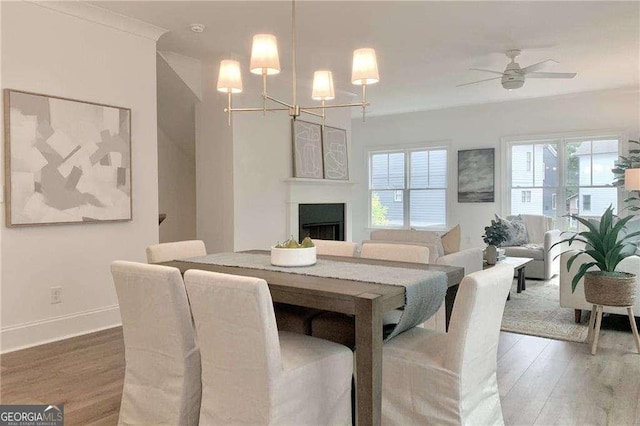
[[561, 140], [407, 149]]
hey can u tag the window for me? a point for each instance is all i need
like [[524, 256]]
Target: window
[[408, 188], [576, 171]]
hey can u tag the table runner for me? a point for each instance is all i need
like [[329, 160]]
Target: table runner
[[424, 290]]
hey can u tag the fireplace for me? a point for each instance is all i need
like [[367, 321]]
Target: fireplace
[[321, 221]]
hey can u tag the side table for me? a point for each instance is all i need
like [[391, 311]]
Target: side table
[[518, 263]]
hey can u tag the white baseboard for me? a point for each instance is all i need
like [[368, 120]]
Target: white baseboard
[[36, 333]]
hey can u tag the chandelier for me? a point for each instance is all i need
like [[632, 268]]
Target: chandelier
[[265, 62]]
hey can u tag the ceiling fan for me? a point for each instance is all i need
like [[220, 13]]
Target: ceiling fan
[[513, 76]]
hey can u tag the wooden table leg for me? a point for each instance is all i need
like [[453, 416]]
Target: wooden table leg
[[520, 276], [449, 300], [592, 322], [524, 280], [634, 328], [594, 345], [368, 359]]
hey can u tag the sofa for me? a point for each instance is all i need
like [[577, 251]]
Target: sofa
[[469, 259], [541, 237], [576, 300]]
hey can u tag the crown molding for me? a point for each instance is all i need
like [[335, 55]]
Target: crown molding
[[104, 17]]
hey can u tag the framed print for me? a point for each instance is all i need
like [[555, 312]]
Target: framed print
[[334, 148], [66, 161], [476, 176], [307, 149]]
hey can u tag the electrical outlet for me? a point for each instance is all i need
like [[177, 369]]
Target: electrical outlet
[[56, 295]]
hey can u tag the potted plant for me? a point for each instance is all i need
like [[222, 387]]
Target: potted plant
[[607, 248], [494, 235]]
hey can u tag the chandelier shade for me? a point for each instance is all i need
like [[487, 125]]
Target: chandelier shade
[[264, 55], [365, 67], [229, 77], [265, 61], [323, 86]]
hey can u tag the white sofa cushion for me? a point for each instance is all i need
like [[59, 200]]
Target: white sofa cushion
[[534, 251]]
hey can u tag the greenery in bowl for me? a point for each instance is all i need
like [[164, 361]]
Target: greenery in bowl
[[495, 234], [603, 244]]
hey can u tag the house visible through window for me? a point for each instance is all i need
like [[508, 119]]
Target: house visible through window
[[408, 188], [561, 176]]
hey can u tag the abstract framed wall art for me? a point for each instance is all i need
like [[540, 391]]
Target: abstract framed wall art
[[307, 149], [66, 161], [476, 176], [334, 147]]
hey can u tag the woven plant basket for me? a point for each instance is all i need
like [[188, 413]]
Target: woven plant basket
[[610, 288]]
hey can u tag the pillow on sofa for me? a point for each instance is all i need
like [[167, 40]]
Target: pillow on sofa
[[451, 240], [410, 236], [516, 231]]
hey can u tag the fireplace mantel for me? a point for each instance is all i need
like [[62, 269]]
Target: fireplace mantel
[[314, 191]]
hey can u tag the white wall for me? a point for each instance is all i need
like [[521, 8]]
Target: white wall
[[214, 166], [483, 126], [263, 159], [53, 53], [176, 190], [176, 152]]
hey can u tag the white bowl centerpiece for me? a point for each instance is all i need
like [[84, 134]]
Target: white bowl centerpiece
[[290, 253]]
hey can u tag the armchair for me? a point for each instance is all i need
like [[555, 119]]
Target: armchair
[[541, 238], [576, 300]]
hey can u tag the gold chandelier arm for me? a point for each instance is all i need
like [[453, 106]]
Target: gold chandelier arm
[[278, 101], [293, 50], [358, 104], [252, 109], [315, 114]]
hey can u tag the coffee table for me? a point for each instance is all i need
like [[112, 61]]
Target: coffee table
[[518, 264]]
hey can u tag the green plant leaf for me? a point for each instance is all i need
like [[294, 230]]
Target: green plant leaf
[[586, 223], [571, 260], [599, 257], [613, 258], [583, 270], [631, 235]]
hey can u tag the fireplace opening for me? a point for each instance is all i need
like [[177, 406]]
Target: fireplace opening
[[321, 221]]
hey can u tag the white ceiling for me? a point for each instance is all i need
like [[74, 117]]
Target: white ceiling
[[424, 48]]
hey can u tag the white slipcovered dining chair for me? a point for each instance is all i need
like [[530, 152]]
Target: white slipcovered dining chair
[[340, 328], [450, 378], [471, 261], [253, 375], [397, 252], [178, 250], [335, 248], [162, 360]]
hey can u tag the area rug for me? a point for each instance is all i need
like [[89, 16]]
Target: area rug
[[537, 312]]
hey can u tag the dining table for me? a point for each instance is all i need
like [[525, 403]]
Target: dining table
[[366, 301]]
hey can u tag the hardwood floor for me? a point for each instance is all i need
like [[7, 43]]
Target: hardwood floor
[[541, 381]]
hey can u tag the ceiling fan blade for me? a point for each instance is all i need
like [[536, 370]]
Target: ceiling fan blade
[[551, 75], [480, 69], [479, 81], [535, 67]]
